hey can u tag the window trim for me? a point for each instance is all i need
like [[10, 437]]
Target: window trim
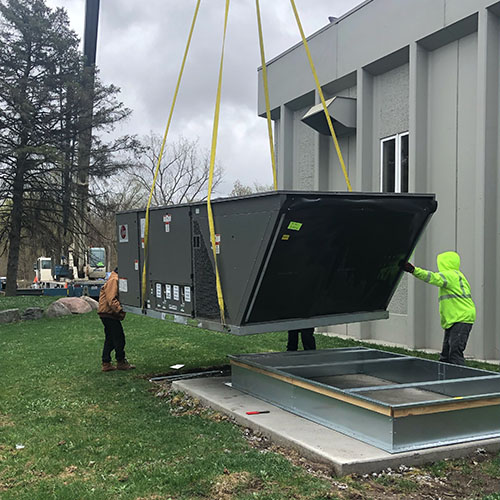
[[397, 167]]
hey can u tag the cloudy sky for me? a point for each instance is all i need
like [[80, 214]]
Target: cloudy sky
[[140, 48]]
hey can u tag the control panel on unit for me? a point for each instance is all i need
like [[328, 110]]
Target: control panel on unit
[[172, 298]]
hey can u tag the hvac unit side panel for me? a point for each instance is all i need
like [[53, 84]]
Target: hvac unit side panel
[[129, 258], [243, 228], [170, 263]]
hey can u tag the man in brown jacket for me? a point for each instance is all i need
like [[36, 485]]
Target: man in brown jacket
[[111, 313]]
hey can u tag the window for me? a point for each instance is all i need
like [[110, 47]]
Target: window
[[46, 264], [97, 257], [394, 163]]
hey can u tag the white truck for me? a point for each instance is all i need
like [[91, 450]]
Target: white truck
[[48, 275]]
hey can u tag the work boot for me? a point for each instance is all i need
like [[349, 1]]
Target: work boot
[[108, 367], [124, 365]]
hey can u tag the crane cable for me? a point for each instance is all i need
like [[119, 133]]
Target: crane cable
[[160, 156], [220, 297], [320, 92], [266, 93]]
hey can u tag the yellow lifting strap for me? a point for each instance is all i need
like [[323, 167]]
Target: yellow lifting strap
[[215, 130], [320, 92], [160, 156], [266, 93]]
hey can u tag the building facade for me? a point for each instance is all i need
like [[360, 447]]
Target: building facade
[[423, 77]]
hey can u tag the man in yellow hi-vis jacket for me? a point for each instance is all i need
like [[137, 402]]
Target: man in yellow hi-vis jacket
[[456, 307]]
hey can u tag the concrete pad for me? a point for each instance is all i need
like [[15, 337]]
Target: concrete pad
[[344, 454]]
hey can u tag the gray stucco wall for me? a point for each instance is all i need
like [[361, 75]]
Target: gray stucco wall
[[391, 101], [304, 152]]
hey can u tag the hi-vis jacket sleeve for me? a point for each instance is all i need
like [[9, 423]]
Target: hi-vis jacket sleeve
[[437, 279]]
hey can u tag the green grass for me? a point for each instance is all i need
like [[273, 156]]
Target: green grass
[[88, 434], [23, 302]]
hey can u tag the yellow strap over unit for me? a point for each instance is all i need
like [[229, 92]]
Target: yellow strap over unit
[[215, 130], [160, 156], [266, 93], [320, 92]]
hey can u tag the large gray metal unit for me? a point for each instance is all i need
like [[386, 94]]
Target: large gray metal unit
[[287, 259], [395, 402]]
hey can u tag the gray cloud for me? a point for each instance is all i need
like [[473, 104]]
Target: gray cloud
[[140, 48]]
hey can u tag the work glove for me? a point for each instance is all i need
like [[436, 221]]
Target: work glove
[[408, 267]]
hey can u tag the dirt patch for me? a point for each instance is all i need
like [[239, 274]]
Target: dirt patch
[[475, 476], [228, 484], [156, 497], [6, 421], [182, 405]]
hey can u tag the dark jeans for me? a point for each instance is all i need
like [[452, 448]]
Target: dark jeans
[[308, 340], [115, 339], [454, 343]]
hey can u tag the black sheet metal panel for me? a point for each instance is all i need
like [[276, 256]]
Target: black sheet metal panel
[[286, 258], [338, 253]]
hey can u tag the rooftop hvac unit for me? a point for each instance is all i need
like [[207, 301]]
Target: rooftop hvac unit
[[287, 259]]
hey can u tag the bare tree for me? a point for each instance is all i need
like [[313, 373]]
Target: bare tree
[[183, 174], [240, 189]]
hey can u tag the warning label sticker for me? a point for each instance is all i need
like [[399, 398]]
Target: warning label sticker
[[285, 237], [123, 285], [123, 233], [295, 226]]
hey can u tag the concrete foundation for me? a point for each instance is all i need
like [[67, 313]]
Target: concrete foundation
[[315, 442]]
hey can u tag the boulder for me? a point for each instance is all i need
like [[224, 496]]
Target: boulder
[[91, 302], [76, 305], [9, 316], [57, 309], [32, 313]]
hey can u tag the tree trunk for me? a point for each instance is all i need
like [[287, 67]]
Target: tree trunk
[[15, 231]]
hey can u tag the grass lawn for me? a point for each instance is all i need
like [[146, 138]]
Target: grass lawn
[[69, 431]]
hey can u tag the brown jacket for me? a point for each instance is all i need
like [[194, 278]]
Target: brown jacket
[[109, 303]]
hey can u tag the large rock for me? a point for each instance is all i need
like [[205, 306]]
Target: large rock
[[32, 313], [76, 305], [9, 316], [91, 302], [57, 309]]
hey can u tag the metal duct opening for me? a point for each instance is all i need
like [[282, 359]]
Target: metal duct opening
[[342, 111]]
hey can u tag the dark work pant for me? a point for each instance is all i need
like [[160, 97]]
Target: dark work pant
[[454, 343], [115, 339], [308, 340]]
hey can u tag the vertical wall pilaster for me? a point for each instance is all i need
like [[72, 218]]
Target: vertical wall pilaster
[[321, 164], [485, 232], [364, 132], [418, 126], [285, 151], [365, 163]]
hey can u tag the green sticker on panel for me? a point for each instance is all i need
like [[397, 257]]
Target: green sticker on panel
[[295, 226]]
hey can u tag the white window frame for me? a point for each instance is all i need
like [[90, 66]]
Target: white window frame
[[397, 167]]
